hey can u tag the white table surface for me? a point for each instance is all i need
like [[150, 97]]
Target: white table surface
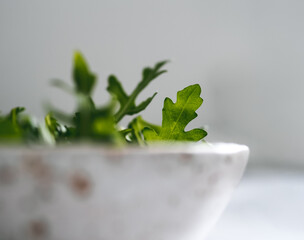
[[267, 205]]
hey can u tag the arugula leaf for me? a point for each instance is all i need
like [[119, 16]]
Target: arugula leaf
[[137, 125], [8, 132], [84, 115], [176, 117], [88, 122], [103, 125], [100, 124], [57, 130], [127, 135], [83, 78], [84, 81], [127, 102], [96, 124], [30, 129], [51, 123], [63, 85], [14, 115], [15, 127]]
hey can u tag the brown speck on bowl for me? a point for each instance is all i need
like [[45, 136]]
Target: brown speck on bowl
[[80, 183], [38, 229], [7, 174]]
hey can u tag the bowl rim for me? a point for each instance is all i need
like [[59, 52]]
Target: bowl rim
[[157, 148]]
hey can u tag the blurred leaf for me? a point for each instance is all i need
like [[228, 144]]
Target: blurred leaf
[[127, 135], [62, 85], [18, 127], [46, 136], [9, 132], [97, 124], [57, 130], [51, 123], [84, 79], [137, 125], [127, 102], [14, 114]]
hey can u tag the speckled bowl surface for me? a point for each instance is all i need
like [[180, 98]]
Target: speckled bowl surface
[[98, 193]]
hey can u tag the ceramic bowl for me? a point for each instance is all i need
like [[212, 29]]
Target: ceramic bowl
[[91, 193]]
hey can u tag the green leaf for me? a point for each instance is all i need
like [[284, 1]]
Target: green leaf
[[57, 131], [127, 135], [99, 124], [67, 118], [176, 117], [137, 125], [62, 85], [46, 136], [103, 126], [127, 102], [18, 127], [8, 132], [14, 115], [96, 124], [84, 116], [84, 79], [30, 128], [51, 123]]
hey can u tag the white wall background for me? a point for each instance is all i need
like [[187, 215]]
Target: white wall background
[[248, 56]]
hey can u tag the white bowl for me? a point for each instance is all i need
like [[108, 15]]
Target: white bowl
[[92, 193]]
